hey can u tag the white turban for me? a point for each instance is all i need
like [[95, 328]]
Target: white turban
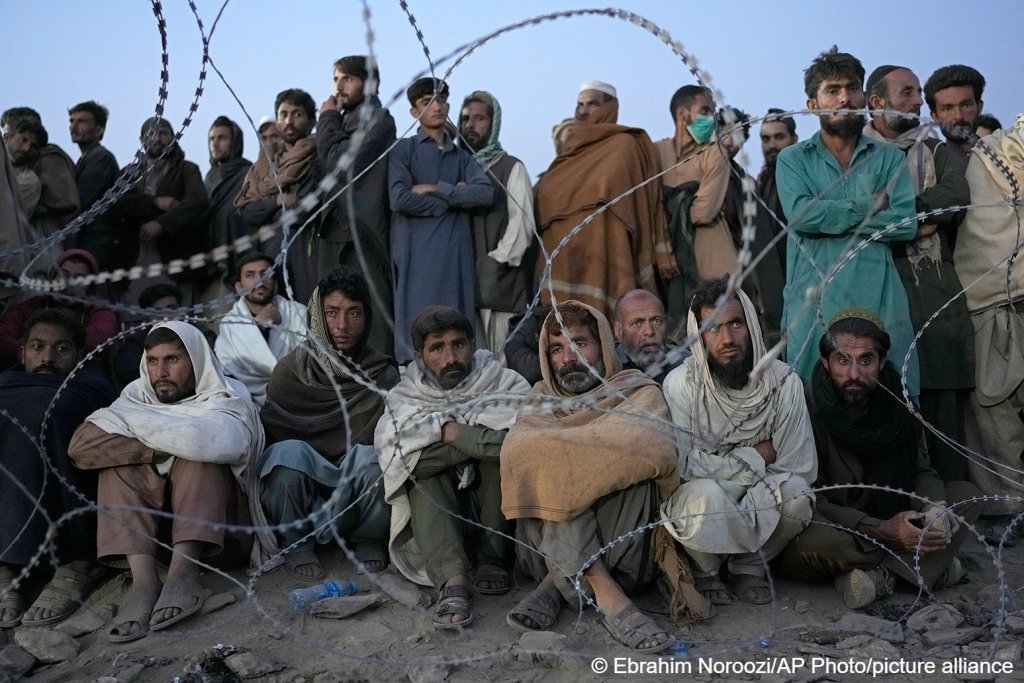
[[601, 86]]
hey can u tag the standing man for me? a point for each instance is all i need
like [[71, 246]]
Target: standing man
[[985, 247], [168, 443], [954, 100], [95, 173], [355, 231], [275, 184], [502, 233], [945, 349], [223, 182], [690, 156], [838, 189], [161, 216], [55, 200], [777, 132], [432, 185], [261, 328], [612, 249]]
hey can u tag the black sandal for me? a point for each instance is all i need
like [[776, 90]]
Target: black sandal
[[453, 600]]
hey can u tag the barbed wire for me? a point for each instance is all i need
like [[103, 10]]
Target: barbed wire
[[340, 181]]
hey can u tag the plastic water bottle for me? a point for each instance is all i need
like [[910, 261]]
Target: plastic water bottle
[[302, 598]]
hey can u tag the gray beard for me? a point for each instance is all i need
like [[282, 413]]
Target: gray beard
[[644, 359], [580, 382]]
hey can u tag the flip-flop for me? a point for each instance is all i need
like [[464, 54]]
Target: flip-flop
[[491, 573], [65, 593], [138, 609], [455, 600], [746, 587], [632, 627], [714, 589], [302, 558], [188, 596], [540, 606]]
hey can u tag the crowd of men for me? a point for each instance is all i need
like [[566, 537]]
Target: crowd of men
[[372, 381]]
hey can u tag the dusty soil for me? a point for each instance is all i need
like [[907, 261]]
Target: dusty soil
[[395, 642]]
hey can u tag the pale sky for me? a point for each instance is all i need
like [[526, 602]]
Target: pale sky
[[59, 52]]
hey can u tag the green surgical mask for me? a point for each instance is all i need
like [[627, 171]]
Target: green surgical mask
[[702, 129]]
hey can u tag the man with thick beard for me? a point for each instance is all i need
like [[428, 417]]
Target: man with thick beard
[[261, 328], [868, 441], [641, 335], [945, 349], [839, 188], [503, 233], [438, 444], [746, 451], [276, 183], [160, 217], [583, 475]]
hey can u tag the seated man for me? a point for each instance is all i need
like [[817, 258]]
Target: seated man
[[261, 328], [51, 347], [438, 444], [100, 323], [866, 436], [323, 403], [168, 443], [641, 334], [166, 301], [746, 452], [585, 471]]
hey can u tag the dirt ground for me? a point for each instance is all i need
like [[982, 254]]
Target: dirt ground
[[395, 642]]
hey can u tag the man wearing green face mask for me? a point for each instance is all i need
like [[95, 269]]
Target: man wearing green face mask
[[688, 157]]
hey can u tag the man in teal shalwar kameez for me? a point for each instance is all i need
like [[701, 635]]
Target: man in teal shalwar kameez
[[838, 190]]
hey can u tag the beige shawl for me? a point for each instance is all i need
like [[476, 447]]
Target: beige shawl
[[567, 452]]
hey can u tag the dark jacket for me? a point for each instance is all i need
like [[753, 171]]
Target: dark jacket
[[183, 231], [224, 224]]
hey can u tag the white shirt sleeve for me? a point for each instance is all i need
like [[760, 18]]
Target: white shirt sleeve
[[520, 231]]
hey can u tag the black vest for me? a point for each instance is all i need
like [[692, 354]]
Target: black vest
[[499, 286]]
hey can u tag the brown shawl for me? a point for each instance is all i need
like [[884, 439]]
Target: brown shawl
[[291, 164], [558, 460], [302, 403], [616, 251]]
